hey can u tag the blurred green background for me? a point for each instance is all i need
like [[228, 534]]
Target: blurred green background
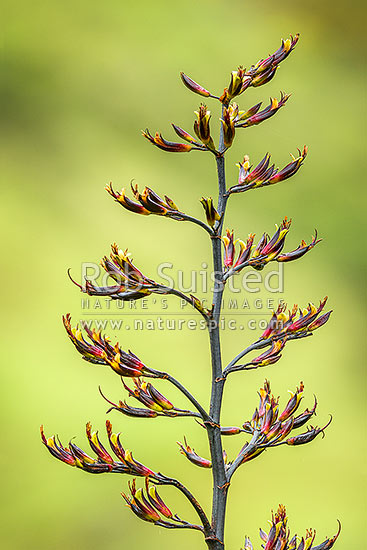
[[79, 81]]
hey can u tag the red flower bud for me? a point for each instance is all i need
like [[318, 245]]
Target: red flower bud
[[319, 321], [230, 430], [185, 135], [126, 202], [97, 446], [139, 505], [74, 456], [149, 202], [266, 113], [186, 450], [229, 249], [194, 86], [271, 355], [300, 251], [156, 501], [263, 174], [169, 146], [293, 403], [308, 436]]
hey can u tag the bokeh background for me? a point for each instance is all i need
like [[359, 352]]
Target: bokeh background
[[79, 81]]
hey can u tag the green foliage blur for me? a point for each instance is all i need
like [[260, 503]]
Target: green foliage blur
[[79, 81]]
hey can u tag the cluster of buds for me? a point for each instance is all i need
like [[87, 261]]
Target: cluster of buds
[[131, 284], [271, 428], [148, 202], [273, 60], [263, 174], [74, 456], [202, 131], [97, 349], [238, 84], [155, 404], [267, 250], [282, 327], [279, 537], [149, 506], [257, 75], [254, 116], [192, 456], [232, 118], [309, 319]]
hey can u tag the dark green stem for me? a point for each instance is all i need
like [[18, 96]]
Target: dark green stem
[[220, 485]]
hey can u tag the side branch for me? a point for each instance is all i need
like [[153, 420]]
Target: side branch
[[165, 376], [164, 480], [151, 203], [192, 300], [259, 344], [185, 217]]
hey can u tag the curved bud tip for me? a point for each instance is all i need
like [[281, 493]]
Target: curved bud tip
[[72, 280]]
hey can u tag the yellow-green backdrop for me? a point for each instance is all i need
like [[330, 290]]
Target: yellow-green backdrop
[[79, 81]]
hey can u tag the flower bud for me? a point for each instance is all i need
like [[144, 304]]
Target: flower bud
[[299, 251], [194, 86], [160, 399], [126, 202], [308, 436], [304, 417], [212, 215], [263, 77], [292, 404], [202, 129], [228, 128], [185, 135], [97, 446], [245, 250], [186, 450], [229, 249], [279, 537], [124, 408], [271, 355], [139, 505], [230, 430], [156, 500], [169, 146]]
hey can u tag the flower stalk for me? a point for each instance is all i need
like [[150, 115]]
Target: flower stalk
[[270, 426]]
